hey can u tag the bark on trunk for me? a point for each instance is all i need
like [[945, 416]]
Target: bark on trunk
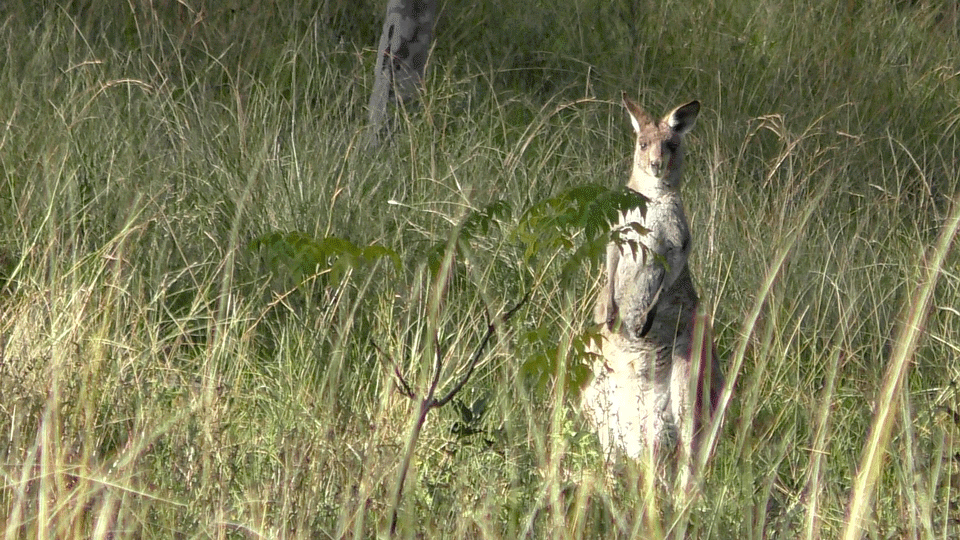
[[404, 47]]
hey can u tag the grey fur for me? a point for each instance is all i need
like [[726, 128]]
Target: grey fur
[[659, 378]]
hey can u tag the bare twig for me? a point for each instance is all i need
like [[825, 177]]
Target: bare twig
[[402, 385], [491, 328], [437, 368], [429, 402]]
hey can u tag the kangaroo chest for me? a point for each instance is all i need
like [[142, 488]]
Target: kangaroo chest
[[655, 255], [665, 230]]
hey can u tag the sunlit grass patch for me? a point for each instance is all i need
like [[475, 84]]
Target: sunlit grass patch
[[208, 286]]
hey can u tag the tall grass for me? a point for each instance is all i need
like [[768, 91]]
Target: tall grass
[[209, 286]]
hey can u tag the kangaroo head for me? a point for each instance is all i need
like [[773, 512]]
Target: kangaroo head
[[659, 153]]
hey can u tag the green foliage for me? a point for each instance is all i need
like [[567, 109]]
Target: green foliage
[[577, 220], [566, 232], [545, 360], [471, 417], [474, 229], [300, 257]]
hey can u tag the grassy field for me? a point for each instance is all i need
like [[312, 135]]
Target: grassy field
[[208, 284]]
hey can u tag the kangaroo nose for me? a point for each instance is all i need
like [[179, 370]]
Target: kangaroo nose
[[656, 165]]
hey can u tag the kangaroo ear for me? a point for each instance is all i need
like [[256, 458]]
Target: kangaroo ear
[[682, 119], [638, 117]]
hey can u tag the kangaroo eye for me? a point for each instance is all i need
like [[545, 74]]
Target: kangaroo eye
[[643, 145]]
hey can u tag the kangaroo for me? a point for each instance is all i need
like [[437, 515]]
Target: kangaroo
[[657, 380]]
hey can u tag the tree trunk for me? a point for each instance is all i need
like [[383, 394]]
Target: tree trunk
[[401, 59]]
